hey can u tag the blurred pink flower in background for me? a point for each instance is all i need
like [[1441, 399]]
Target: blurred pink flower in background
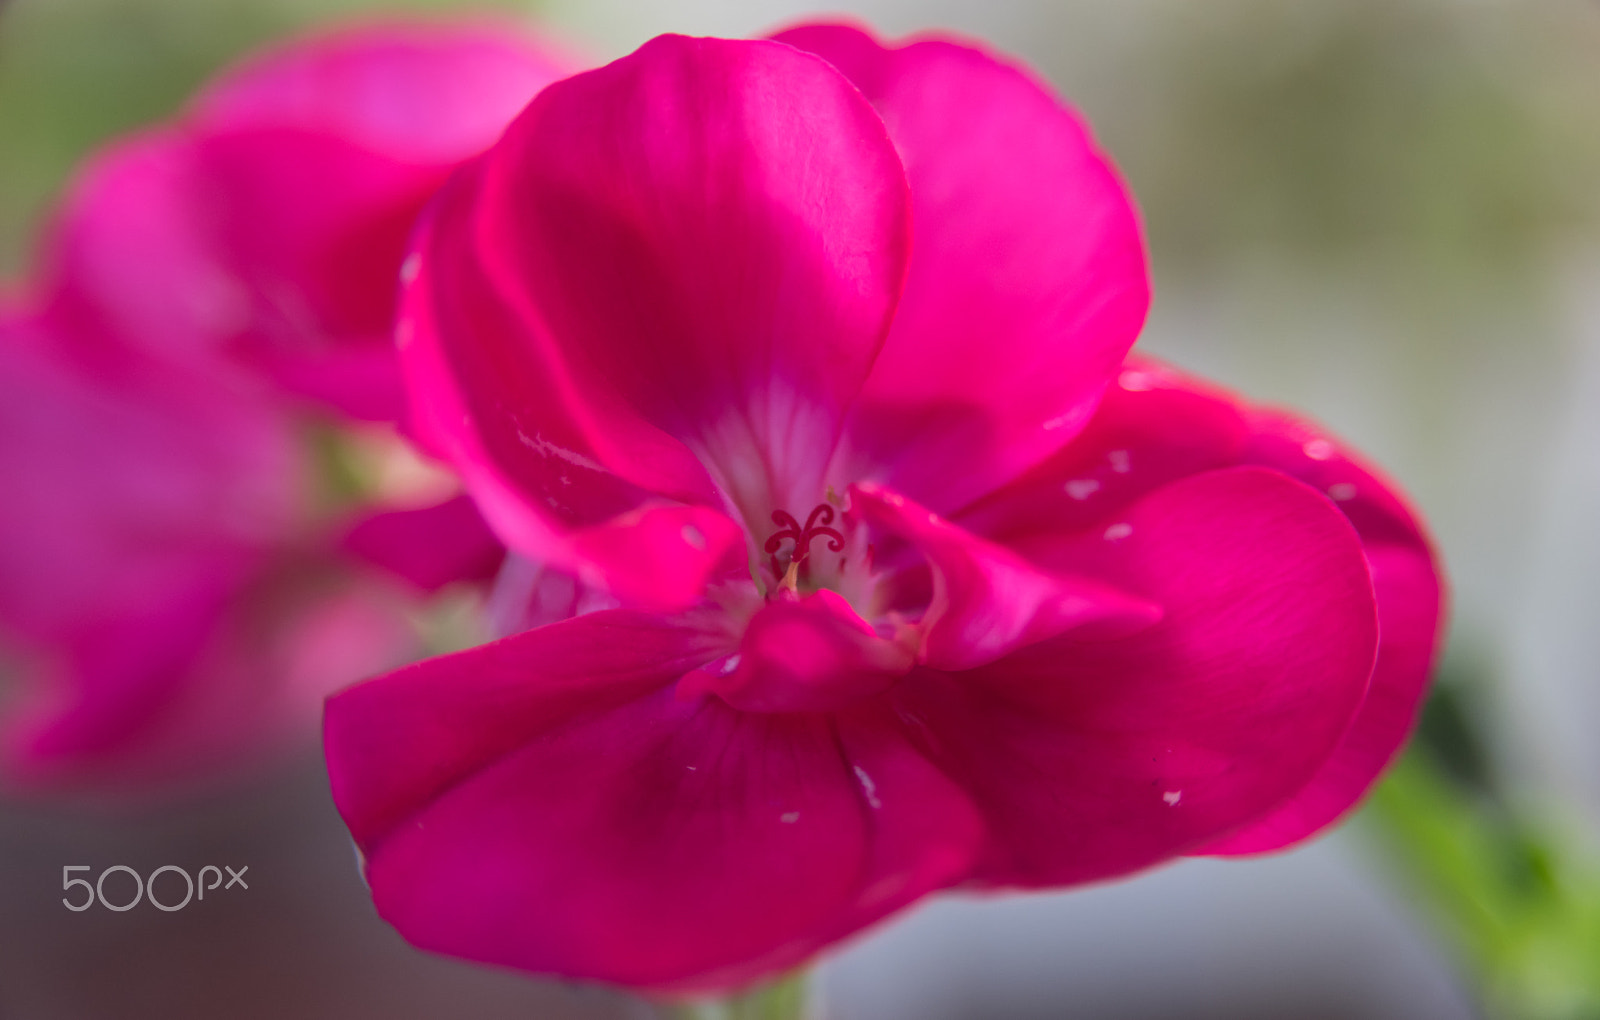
[[264, 229], [144, 503], [215, 303], [800, 350], [265, 226]]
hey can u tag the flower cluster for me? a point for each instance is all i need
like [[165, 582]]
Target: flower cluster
[[182, 577]]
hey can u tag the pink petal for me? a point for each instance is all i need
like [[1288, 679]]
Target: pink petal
[[527, 594], [752, 202], [425, 93], [361, 381], [128, 261], [1159, 425], [645, 847], [518, 437], [1092, 758], [163, 698], [522, 436], [658, 558], [395, 743], [153, 497], [926, 832], [809, 655], [314, 228], [1139, 440], [1409, 602], [104, 683], [1027, 282], [987, 601], [923, 834], [1410, 592], [556, 817], [137, 478], [429, 546], [269, 225]]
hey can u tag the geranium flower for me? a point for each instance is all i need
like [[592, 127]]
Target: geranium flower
[[214, 289], [266, 223], [800, 349], [160, 623], [264, 228]]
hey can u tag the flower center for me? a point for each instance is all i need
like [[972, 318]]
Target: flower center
[[790, 530]]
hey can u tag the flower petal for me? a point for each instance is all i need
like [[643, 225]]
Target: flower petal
[[128, 261], [425, 93], [135, 476], [1095, 758], [170, 695], [528, 595], [923, 835], [311, 230], [926, 833], [756, 213], [659, 558], [809, 655], [429, 546], [519, 433], [269, 224], [679, 846], [519, 437], [1158, 425], [109, 677], [395, 743], [1142, 437], [987, 601], [1410, 592], [1409, 596], [145, 573], [1027, 283]]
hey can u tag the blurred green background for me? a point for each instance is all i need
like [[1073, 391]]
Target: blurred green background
[[1385, 212]]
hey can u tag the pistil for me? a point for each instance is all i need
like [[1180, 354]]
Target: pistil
[[790, 530]]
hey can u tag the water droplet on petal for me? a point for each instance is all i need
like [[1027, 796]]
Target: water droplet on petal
[[694, 536], [1119, 461], [1342, 491], [410, 268], [1118, 531], [789, 817], [868, 787], [1082, 488], [1134, 382], [1172, 797], [1318, 449]]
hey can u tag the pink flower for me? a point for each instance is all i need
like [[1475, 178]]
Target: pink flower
[[266, 225], [265, 229], [801, 349], [177, 604], [149, 507]]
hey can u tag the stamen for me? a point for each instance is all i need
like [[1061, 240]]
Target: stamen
[[791, 530]]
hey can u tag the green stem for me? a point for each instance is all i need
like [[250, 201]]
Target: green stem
[[784, 999]]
